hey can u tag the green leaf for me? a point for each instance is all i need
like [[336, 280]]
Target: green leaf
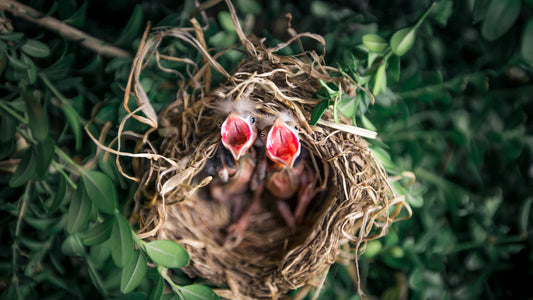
[[373, 248], [45, 151], [59, 196], [375, 43], [443, 12], [35, 48], [501, 15], [367, 124], [318, 111], [380, 83], [78, 18], [97, 281], [480, 9], [101, 191], [74, 121], [133, 273], [11, 36], [79, 210], [403, 40], [99, 233], [72, 246], [122, 246], [8, 126], [37, 117], [524, 216], [167, 253], [16, 63], [132, 28], [225, 20], [31, 71], [249, 7], [394, 67], [198, 292], [526, 49], [25, 170], [158, 289]]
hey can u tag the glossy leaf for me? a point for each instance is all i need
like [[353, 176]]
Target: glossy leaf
[[318, 111], [72, 246], [380, 82], [133, 273], [403, 40], [74, 121], [26, 170], [37, 117], [79, 211], [35, 48], [45, 151], [375, 43], [122, 245], [31, 71], [101, 191], [526, 48], [501, 15], [198, 292], [159, 288], [99, 233], [167, 253]]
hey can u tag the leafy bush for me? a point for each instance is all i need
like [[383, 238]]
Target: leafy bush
[[452, 86]]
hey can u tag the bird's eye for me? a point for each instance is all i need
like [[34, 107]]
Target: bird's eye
[[296, 128], [263, 134], [252, 120], [219, 124]]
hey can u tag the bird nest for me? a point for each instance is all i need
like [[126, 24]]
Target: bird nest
[[355, 203]]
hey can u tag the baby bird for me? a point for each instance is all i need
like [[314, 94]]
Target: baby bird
[[289, 175]]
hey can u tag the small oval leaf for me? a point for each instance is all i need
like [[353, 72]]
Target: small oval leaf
[[167, 253], [501, 15], [122, 245], [133, 273], [374, 43], [74, 120], [79, 211], [99, 233], [35, 48], [380, 82], [198, 292], [72, 246], [318, 111], [101, 190], [25, 170], [402, 40]]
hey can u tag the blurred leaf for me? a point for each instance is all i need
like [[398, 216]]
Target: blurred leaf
[[59, 195], [133, 27], [383, 157], [501, 15], [403, 40], [525, 212], [74, 120], [225, 20], [8, 126], [249, 6], [394, 67], [159, 288], [97, 281], [31, 71], [375, 43], [318, 111], [45, 151], [26, 170], [367, 124], [167, 253], [78, 18], [480, 9], [133, 273], [16, 63], [35, 48], [11, 36], [122, 246], [60, 68], [443, 12], [99, 233], [527, 42], [101, 190], [380, 82], [37, 117], [72, 246], [373, 248], [79, 210], [198, 292]]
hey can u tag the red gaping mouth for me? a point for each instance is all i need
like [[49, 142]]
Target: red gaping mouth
[[283, 145], [237, 135]]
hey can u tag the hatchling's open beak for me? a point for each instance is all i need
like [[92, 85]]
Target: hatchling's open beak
[[283, 145], [238, 135]]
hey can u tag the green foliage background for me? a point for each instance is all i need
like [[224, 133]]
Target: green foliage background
[[453, 107]]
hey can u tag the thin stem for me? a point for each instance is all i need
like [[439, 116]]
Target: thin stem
[[164, 273], [67, 31], [52, 88], [424, 16], [65, 157], [59, 168], [13, 113]]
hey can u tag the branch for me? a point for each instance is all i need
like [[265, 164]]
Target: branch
[[67, 31]]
